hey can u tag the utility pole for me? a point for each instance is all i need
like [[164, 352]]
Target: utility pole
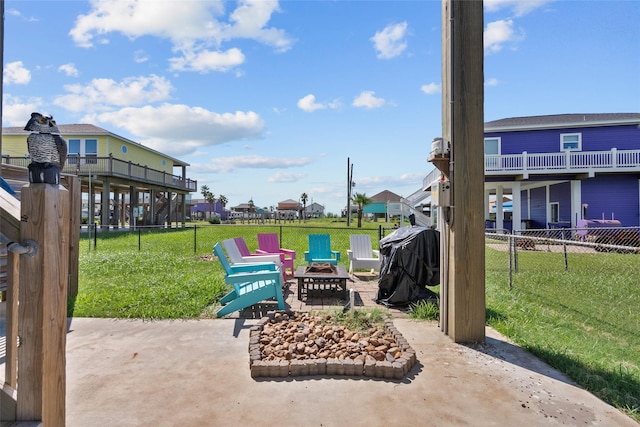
[[349, 185]]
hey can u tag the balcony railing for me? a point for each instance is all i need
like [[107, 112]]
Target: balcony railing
[[108, 166], [566, 162]]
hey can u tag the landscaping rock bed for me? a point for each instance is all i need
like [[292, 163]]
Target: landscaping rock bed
[[289, 344]]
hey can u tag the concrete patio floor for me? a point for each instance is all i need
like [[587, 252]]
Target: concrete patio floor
[[196, 373]]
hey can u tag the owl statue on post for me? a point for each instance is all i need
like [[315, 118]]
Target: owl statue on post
[[47, 149]]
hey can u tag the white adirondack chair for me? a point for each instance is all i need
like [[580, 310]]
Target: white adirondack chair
[[361, 254], [236, 257]]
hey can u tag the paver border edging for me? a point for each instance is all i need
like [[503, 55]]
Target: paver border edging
[[385, 369]]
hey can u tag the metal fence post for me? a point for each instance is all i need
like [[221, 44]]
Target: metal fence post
[[195, 239], [139, 242], [515, 253], [511, 242]]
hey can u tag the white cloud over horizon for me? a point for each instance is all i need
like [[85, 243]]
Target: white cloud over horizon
[[390, 42]]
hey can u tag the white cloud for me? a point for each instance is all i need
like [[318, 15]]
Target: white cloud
[[250, 21], [280, 177], [491, 82], [518, 7], [431, 88], [367, 99], [178, 129], [193, 28], [390, 42], [206, 60], [497, 33], [69, 70], [16, 111], [140, 56], [308, 103], [230, 164], [16, 73], [101, 94]]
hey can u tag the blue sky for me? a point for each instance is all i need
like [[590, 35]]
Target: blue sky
[[267, 100]]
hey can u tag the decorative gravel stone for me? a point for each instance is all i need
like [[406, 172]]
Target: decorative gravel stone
[[293, 344]]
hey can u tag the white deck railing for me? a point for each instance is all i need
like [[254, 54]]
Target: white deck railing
[[566, 162]]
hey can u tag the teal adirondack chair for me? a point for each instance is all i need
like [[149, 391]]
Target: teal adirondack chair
[[250, 286], [320, 250]]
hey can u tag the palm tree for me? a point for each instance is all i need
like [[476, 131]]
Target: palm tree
[[208, 196], [251, 208], [223, 202], [303, 199], [361, 200]]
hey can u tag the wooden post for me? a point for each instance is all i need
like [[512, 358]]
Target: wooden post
[[42, 312], [72, 183], [463, 127]]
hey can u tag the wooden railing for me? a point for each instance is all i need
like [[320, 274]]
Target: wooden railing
[[566, 162], [109, 166], [45, 221]]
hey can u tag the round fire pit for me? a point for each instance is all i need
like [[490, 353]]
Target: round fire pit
[[286, 343]]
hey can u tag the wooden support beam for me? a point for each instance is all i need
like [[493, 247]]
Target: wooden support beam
[[42, 327], [463, 127], [72, 183]]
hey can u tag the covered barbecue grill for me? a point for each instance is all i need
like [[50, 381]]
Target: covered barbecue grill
[[410, 263]]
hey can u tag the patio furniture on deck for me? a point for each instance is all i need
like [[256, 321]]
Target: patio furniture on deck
[[268, 243], [361, 254], [320, 250], [250, 286]]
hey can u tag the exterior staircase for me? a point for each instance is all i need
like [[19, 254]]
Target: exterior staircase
[[407, 205]]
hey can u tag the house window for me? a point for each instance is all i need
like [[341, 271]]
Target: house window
[[492, 146], [73, 151], [491, 153], [555, 211], [570, 142], [91, 150], [87, 148]]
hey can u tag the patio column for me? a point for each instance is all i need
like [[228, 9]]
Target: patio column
[[499, 209], [576, 202], [516, 210], [105, 204], [487, 208]]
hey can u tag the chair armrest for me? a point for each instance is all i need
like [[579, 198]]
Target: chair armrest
[[253, 277], [376, 253], [253, 259], [289, 252], [307, 256], [336, 254], [252, 267], [260, 252], [350, 254]]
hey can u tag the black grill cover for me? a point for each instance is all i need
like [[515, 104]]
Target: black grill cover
[[410, 262]]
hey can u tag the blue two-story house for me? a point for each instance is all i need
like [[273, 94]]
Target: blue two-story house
[[560, 169]]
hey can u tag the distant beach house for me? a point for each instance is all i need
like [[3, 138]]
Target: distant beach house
[[314, 210], [561, 169], [122, 181], [288, 209], [382, 203], [201, 209]]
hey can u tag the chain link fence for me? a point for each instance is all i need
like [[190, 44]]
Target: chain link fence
[[613, 250], [200, 239], [509, 256]]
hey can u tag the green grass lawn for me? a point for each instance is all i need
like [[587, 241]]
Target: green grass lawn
[[584, 321]]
